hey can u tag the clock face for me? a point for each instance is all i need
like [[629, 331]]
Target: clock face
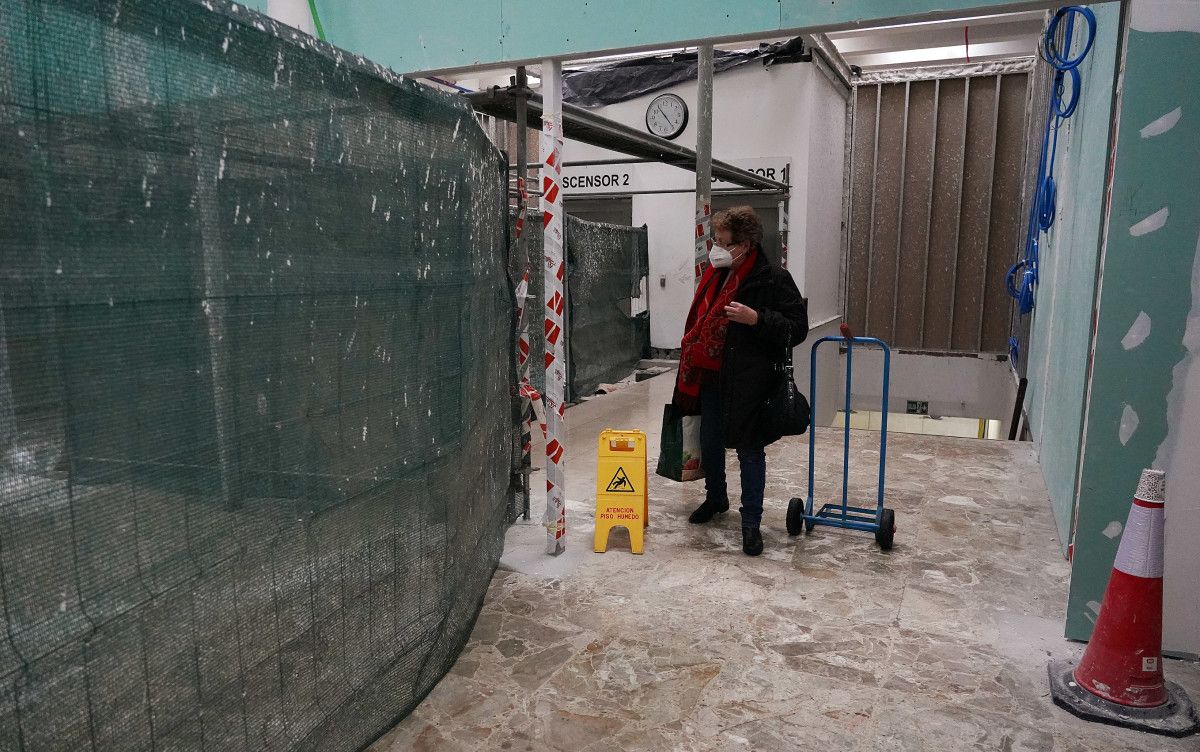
[[666, 116]]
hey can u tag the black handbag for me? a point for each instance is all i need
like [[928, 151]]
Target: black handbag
[[787, 412]]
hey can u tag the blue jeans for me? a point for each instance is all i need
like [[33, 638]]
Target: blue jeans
[[752, 460]]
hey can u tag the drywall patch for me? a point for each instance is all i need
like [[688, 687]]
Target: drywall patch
[[1148, 225], [1113, 529], [1162, 124], [1129, 424], [1138, 332], [1165, 15]]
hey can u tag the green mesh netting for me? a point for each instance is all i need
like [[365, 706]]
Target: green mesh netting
[[256, 358], [606, 268]]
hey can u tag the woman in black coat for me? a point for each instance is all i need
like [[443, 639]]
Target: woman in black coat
[[745, 316]]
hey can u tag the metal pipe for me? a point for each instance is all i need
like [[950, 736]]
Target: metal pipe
[[812, 433], [521, 96], [714, 192], [1018, 405], [588, 127], [520, 102], [846, 432], [704, 113], [887, 382], [598, 162]]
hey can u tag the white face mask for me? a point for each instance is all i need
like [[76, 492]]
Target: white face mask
[[720, 257]]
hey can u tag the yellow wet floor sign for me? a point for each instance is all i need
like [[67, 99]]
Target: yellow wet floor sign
[[621, 499]]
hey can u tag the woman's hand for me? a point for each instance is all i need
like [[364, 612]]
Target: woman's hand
[[741, 314]]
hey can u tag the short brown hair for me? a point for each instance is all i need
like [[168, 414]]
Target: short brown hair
[[742, 223]]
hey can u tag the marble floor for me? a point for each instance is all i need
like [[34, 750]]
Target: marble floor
[[825, 642]]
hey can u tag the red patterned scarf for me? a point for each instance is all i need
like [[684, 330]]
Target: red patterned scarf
[[703, 345]]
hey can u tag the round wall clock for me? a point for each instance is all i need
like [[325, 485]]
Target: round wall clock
[[666, 116]]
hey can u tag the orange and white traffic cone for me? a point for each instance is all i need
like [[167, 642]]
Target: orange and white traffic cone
[[1120, 677]]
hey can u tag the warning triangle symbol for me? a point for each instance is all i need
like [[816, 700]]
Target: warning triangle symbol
[[620, 483]]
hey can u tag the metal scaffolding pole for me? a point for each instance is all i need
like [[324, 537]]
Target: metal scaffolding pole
[[521, 249], [704, 110], [555, 276], [585, 126]]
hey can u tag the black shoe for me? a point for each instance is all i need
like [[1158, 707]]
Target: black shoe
[[708, 510], [752, 541]]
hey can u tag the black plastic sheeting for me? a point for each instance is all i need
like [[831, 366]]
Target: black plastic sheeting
[[256, 370], [628, 79]]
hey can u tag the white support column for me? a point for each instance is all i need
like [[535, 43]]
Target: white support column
[[704, 111], [555, 278]]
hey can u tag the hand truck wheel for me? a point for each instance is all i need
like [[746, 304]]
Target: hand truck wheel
[[887, 529], [795, 516]]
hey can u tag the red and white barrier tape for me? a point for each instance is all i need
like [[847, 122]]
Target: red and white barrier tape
[[554, 395], [703, 238]]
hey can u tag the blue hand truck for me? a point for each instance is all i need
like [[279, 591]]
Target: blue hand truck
[[880, 520]]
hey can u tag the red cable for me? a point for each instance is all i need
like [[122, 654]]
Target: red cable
[[967, 42]]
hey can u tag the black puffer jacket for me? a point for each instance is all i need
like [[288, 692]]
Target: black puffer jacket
[[750, 371]]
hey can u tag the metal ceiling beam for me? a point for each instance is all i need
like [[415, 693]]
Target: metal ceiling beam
[[1025, 32], [832, 57], [975, 22], [989, 51], [583, 125]]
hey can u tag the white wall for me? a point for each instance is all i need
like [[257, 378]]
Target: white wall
[[965, 387], [786, 111], [822, 223], [830, 384], [1177, 456]]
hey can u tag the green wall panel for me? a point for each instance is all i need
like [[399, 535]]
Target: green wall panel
[[534, 28], [1148, 272], [412, 36], [1062, 322]]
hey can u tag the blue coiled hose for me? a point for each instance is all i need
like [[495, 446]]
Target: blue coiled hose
[[1063, 102]]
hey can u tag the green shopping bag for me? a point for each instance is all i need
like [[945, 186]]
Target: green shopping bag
[[679, 449]]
